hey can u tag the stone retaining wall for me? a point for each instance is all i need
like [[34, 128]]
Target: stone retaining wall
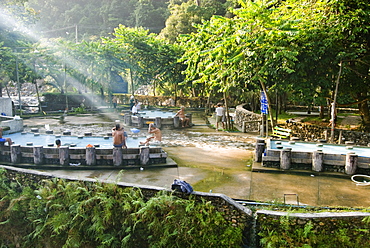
[[324, 223], [6, 106], [308, 132], [234, 212], [247, 120]]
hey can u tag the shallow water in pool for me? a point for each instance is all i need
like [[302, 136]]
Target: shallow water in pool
[[156, 113], [49, 140], [326, 148]]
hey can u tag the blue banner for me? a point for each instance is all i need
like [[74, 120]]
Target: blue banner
[[264, 103]]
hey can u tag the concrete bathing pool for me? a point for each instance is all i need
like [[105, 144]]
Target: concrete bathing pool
[[317, 157], [48, 140], [324, 147], [39, 150], [161, 118]]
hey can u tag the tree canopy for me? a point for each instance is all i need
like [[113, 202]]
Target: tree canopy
[[302, 49], [292, 46]]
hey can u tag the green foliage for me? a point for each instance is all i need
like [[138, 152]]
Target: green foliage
[[79, 110], [96, 18], [85, 214], [290, 47], [182, 223], [186, 14], [287, 232]]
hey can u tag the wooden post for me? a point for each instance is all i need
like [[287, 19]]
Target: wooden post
[[176, 122], [90, 156], [158, 122], [117, 156], [260, 148], [267, 125], [144, 155], [64, 155], [340, 136], [351, 163], [15, 154], [140, 120], [326, 134], [38, 155], [317, 161], [285, 159], [262, 130]]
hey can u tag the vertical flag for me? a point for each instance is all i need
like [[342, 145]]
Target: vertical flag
[[264, 103]]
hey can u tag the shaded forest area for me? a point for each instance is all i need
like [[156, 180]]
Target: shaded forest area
[[84, 19], [97, 18]]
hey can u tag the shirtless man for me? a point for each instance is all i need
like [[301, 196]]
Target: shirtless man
[[118, 134], [184, 120], [157, 135], [3, 140]]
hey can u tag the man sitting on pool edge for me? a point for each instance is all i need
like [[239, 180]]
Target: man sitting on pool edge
[[118, 134], [183, 119], [157, 135], [3, 140]]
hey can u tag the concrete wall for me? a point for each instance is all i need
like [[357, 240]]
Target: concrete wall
[[6, 106], [14, 123], [53, 157], [308, 132]]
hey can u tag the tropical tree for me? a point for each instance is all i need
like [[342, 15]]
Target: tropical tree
[[284, 47], [185, 14], [150, 60], [332, 41], [240, 52]]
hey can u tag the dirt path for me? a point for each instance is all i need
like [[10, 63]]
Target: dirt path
[[350, 122]]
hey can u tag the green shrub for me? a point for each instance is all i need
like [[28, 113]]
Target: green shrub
[[336, 233], [83, 214]]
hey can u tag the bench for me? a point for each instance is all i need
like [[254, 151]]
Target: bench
[[281, 133]]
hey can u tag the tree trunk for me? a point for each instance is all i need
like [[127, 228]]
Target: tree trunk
[[208, 104], [322, 112], [226, 111], [132, 83], [175, 96], [365, 115], [38, 97], [7, 90], [333, 117]]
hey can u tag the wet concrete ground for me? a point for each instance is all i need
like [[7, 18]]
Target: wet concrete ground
[[218, 162]]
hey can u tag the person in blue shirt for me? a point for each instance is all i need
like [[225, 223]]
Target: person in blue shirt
[[3, 140]]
